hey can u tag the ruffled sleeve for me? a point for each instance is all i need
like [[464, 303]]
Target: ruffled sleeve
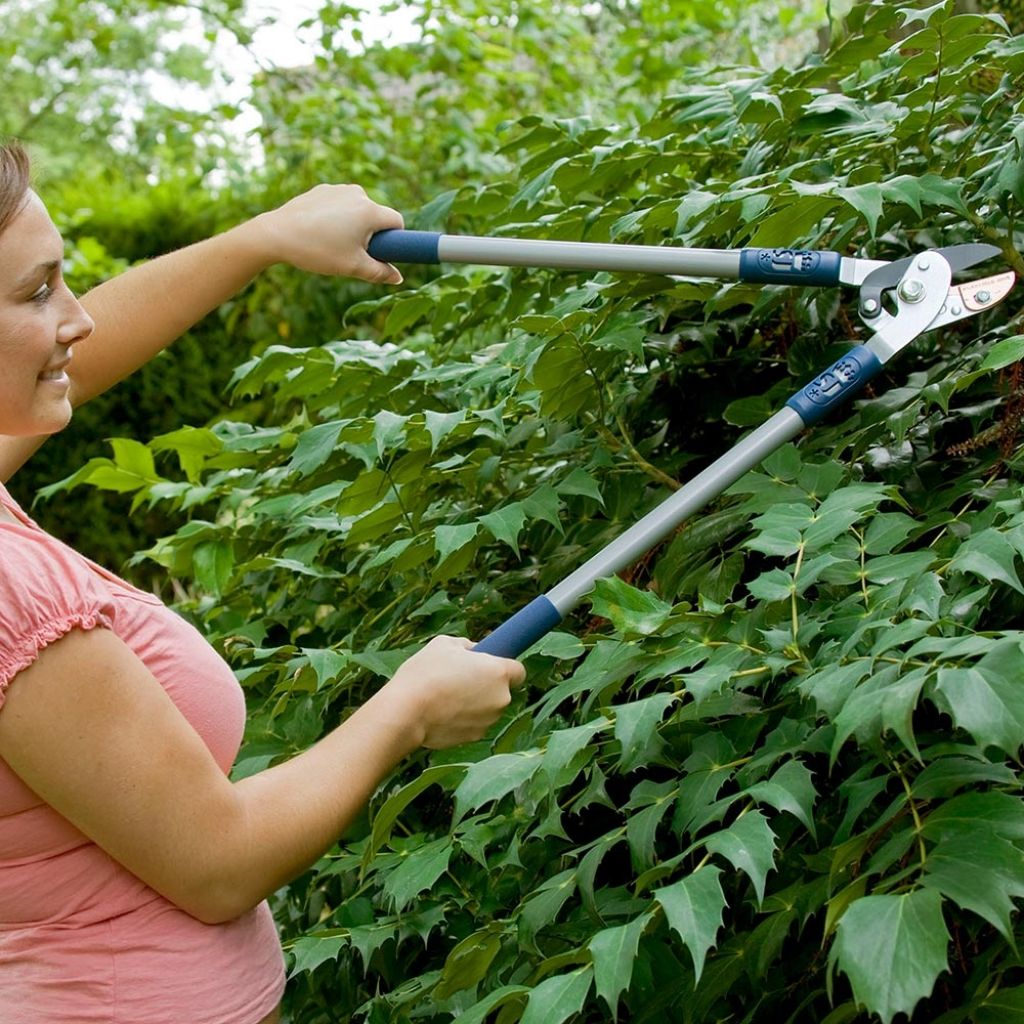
[[44, 594]]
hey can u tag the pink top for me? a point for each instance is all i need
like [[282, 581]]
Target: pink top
[[82, 940]]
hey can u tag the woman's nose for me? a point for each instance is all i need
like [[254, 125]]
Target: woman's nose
[[76, 324]]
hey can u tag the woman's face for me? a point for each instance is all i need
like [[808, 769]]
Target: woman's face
[[40, 321]]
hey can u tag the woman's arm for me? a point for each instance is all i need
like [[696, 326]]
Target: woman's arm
[[142, 311], [93, 733]]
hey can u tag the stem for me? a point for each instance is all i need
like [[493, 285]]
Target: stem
[[592, 373], [398, 498], [792, 596], [927, 132], [1005, 242], [649, 468], [863, 573], [913, 810]]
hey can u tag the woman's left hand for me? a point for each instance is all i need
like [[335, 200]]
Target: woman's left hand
[[326, 231]]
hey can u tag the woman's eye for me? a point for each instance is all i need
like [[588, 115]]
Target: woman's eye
[[44, 292]]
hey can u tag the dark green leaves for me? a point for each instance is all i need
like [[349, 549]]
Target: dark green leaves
[[749, 845], [794, 732], [988, 699], [630, 610], [613, 951], [983, 873], [892, 948], [556, 999], [693, 908]]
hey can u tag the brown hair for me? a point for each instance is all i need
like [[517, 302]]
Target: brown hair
[[14, 180]]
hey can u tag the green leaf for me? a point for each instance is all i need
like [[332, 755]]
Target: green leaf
[[884, 702], [989, 556], [388, 430], [468, 962], [1005, 1006], [773, 585], [748, 412], [310, 951], [480, 1011], [315, 446], [493, 778], [417, 871], [631, 611], [624, 332], [975, 813], [506, 524], [579, 481], [441, 424], [543, 905], [544, 504], [213, 562], [893, 949], [613, 951], [384, 820], [192, 445], [790, 789], [407, 311], [451, 538], [983, 873], [556, 999], [636, 728], [866, 199], [134, 457], [563, 646], [1003, 353], [564, 744], [655, 799], [326, 663], [778, 531], [749, 845], [988, 699], [693, 907]]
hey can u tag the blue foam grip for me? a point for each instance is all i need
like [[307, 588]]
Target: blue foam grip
[[398, 246], [523, 630], [843, 378], [789, 266]]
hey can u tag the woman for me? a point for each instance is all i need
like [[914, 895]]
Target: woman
[[133, 873]]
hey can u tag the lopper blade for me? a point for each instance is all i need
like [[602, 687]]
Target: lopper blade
[[972, 297]]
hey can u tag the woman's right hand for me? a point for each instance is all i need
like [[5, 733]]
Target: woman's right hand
[[453, 693]]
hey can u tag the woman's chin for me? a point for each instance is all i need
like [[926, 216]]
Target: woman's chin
[[44, 421]]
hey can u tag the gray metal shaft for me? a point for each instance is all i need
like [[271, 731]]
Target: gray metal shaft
[[644, 259], [660, 521]]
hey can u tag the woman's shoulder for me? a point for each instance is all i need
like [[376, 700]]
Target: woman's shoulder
[[41, 582], [44, 594]]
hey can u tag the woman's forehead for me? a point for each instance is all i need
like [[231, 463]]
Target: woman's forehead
[[30, 234]]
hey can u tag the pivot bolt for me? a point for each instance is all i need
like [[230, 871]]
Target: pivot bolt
[[911, 291], [870, 306], [923, 263], [983, 297]]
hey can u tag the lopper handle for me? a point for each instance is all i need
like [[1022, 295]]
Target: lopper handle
[[398, 246], [806, 407], [758, 266], [522, 630]]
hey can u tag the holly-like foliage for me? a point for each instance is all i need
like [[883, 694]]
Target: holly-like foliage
[[774, 775]]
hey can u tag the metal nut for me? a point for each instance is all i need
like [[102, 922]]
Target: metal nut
[[923, 263], [869, 306], [911, 291], [983, 297]]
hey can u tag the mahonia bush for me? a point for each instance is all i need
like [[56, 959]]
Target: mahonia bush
[[771, 775]]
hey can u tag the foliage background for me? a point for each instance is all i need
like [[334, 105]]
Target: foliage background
[[773, 775]]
